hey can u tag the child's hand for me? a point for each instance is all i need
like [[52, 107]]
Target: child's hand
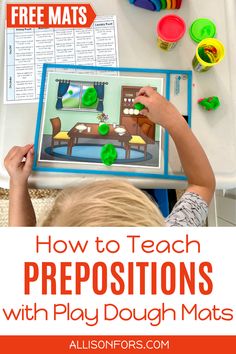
[[158, 109], [18, 163]]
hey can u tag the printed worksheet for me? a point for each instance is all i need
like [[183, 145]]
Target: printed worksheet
[[28, 49]]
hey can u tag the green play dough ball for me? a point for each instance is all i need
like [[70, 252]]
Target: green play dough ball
[[139, 106], [103, 129], [210, 103], [89, 97], [108, 154]]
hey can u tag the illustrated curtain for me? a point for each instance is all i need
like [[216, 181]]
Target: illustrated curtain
[[62, 90], [99, 87]]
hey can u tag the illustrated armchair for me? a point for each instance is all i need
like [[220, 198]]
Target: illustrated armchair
[[139, 140], [57, 134]]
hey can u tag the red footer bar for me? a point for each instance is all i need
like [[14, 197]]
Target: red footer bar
[[117, 344]]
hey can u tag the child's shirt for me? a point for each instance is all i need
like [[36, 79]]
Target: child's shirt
[[190, 210]]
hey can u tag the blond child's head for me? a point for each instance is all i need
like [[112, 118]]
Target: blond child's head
[[109, 202]]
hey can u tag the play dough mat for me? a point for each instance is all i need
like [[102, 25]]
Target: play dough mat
[[88, 122]]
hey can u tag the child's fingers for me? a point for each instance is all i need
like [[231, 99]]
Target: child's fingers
[[21, 152], [144, 112], [18, 151], [142, 99], [29, 160], [147, 90]]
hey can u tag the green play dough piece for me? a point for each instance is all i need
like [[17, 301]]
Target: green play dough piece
[[203, 55], [108, 154], [89, 97], [103, 129], [163, 4], [202, 28], [139, 106], [71, 92], [210, 103]]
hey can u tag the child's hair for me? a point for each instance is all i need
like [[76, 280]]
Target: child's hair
[[109, 202]]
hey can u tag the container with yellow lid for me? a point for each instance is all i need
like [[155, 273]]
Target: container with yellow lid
[[209, 53]]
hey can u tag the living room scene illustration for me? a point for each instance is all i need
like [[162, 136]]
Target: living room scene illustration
[[83, 113]]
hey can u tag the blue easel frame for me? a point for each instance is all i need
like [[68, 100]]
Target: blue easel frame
[[168, 73]]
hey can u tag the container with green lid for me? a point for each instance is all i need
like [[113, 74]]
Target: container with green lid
[[202, 28]]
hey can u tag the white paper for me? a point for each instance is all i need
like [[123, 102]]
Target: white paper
[[27, 50]]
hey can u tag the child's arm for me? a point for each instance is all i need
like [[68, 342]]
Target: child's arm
[[194, 160], [21, 212]]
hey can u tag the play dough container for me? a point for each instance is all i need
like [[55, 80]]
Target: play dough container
[[170, 29], [202, 28], [209, 53]]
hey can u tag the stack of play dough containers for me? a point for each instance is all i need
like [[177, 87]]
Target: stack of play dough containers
[[210, 51], [157, 5]]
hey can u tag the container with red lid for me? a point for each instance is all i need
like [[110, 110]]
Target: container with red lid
[[170, 29]]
